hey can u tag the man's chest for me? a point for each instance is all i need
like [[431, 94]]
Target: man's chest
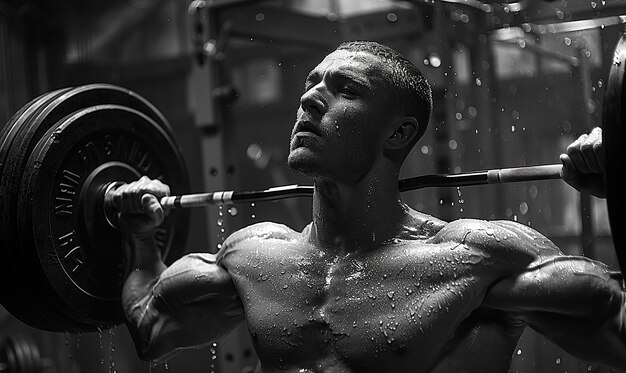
[[389, 301]]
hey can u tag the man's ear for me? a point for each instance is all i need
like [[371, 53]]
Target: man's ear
[[405, 130]]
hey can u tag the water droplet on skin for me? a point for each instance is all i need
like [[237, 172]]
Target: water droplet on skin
[[558, 360]]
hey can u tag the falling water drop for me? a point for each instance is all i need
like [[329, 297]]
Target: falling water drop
[[67, 345], [100, 337], [233, 211], [111, 351], [213, 350]]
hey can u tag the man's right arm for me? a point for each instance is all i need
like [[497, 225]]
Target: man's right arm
[[167, 309], [187, 305]]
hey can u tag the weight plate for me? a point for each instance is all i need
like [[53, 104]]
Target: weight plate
[[10, 268], [29, 302], [60, 214], [614, 135], [19, 355]]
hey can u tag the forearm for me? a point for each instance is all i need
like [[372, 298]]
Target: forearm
[[601, 340], [183, 306], [572, 286], [575, 301], [143, 266]]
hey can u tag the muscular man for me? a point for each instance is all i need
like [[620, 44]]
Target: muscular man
[[371, 285]]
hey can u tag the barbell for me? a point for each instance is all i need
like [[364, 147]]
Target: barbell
[[63, 152]]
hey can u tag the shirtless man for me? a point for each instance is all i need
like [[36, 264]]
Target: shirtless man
[[371, 285]]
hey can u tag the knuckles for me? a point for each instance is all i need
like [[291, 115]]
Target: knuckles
[[129, 198]]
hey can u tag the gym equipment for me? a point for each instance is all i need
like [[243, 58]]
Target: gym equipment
[[63, 153]]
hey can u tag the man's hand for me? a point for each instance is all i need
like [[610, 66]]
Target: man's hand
[[583, 165], [138, 205]]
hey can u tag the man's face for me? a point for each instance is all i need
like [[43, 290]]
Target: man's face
[[342, 121]]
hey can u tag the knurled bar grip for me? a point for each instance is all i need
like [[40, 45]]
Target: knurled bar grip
[[498, 176], [512, 175]]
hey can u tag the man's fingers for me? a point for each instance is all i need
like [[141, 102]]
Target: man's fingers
[[128, 198], [576, 156], [151, 205], [587, 153], [569, 170]]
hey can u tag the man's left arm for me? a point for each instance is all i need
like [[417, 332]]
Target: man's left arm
[[574, 301], [577, 302]]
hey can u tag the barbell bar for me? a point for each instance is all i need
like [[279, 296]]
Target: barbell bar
[[495, 176]]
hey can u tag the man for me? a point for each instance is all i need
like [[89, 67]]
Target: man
[[371, 285]]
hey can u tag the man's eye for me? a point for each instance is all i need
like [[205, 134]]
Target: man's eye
[[348, 91]]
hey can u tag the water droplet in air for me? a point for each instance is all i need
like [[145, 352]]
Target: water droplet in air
[[233, 211]]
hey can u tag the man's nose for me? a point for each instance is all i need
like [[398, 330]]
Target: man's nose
[[313, 101]]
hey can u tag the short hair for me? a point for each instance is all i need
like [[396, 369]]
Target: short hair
[[410, 89]]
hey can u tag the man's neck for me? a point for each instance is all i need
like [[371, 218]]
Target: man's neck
[[358, 217]]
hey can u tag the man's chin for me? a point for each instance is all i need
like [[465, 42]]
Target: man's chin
[[301, 162]]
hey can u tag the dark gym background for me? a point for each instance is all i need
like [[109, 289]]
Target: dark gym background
[[514, 83]]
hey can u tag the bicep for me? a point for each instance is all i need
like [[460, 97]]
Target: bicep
[[192, 302], [567, 285]]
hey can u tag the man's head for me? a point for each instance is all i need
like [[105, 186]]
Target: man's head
[[362, 102], [410, 92]]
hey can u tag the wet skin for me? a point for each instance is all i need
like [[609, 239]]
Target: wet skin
[[420, 302], [370, 284]]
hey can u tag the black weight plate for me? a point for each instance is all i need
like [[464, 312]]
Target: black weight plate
[[20, 355], [81, 263], [614, 135], [32, 306], [12, 296]]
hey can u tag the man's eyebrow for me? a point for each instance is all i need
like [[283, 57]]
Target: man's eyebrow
[[313, 77], [352, 77]]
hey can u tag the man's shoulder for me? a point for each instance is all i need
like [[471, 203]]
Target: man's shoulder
[[264, 238], [503, 240], [262, 231]]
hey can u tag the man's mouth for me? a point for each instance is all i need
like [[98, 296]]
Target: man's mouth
[[307, 127]]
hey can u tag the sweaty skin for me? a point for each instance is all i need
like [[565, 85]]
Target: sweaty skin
[[437, 298], [370, 285]]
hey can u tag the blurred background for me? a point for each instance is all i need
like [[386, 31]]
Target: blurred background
[[513, 82]]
